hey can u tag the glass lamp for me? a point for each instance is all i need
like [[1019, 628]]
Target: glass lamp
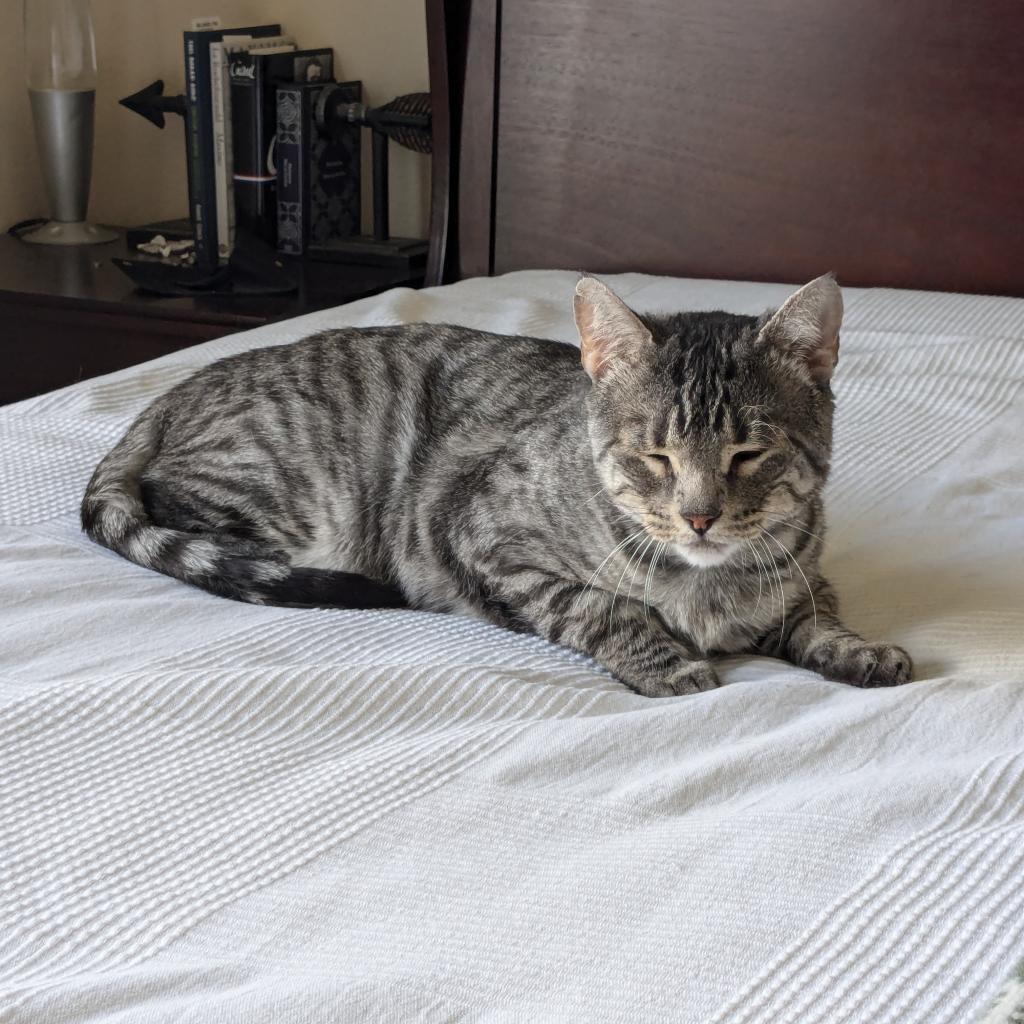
[[60, 58]]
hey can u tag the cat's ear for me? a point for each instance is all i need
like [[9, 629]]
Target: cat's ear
[[807, 326], [611, 334]]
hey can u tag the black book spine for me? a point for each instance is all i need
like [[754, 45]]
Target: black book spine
[[292, 168], [201, 158], [251, 174], [193, 132], [318, 178]]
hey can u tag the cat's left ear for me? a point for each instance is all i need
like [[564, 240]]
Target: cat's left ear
[[612, 336], [807, 324]]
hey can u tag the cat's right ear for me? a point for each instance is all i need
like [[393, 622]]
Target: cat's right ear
[[611, 334], [806, 326]]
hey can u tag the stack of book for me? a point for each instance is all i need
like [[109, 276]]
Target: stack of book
[[256, 160]]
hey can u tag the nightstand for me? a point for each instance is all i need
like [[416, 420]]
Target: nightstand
[[67, 313]]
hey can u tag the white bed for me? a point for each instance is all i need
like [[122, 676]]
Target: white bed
[[217, 812]]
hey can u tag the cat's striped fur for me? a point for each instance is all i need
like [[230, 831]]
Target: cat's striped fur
[[655, 508]]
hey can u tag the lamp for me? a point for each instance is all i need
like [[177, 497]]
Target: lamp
[[60, 58]]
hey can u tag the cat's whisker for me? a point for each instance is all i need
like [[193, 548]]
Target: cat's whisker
[[760, 582], [611, 554], [658, 555], [637, 555], [639, 562], [792, 526], [767, 573], [789, 555], [647, 582], [631, 539], [782, 590]]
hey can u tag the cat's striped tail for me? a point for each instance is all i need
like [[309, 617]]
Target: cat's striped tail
[[114, 515]]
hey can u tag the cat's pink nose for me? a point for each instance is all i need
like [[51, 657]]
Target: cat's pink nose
[[700, 524]]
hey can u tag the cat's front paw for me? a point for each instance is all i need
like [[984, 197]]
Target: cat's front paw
[[865, 664], [691, 677]]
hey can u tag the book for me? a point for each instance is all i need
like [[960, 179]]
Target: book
[[222, 162], [199, 126], [272, 44], [318, 178], [254, 78]]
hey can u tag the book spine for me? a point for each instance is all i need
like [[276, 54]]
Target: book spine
[[245, 143], [193, 131], [274, 69], [210, 253], [265, 130], [222, 151], [200, 101], [292, 170]]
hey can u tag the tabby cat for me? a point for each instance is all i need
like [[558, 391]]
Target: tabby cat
[[657, 507]]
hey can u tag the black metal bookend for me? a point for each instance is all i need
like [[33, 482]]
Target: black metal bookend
[[405, 120]]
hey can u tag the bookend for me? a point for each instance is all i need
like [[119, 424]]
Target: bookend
[[405, 120]]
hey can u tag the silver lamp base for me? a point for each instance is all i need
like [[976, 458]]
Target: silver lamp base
[[55, 232], [64, 122]]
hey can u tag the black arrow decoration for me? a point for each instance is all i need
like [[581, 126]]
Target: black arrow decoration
[[152, 104]]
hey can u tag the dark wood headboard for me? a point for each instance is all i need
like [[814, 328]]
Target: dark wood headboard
[[882, 139]]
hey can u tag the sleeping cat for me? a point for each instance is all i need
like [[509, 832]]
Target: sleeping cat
[[656, 507]]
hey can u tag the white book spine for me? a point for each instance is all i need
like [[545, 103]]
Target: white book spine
[[272, 44], [222, 152]]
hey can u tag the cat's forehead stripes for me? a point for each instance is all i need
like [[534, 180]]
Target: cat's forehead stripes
[[703, 408], [704, 367]]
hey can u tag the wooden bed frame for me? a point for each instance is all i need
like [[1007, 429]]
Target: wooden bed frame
[[774, 140]]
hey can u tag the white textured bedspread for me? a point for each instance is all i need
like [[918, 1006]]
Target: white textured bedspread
[[211, 812]]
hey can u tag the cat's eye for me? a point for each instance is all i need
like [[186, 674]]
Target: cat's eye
[[743, 458]]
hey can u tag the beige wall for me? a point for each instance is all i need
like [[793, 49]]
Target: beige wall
[[139, 171], [21, 193]]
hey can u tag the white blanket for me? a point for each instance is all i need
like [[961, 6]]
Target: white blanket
[[216, 812]]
